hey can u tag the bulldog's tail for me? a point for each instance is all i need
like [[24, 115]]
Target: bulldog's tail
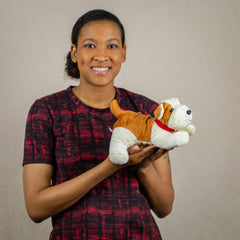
[[115, 108]]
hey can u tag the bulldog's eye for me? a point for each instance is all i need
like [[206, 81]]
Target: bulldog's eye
[[172, 109]]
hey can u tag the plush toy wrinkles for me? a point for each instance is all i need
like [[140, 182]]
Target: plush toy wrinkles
[[170, 127]]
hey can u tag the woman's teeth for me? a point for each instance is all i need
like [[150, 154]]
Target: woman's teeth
[[102, 69]]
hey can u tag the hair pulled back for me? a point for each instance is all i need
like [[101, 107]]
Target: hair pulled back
[[71, 68]]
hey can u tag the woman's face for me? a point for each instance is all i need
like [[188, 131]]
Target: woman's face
[[99, 54]]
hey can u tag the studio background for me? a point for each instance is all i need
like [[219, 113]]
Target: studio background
[[188, 49]]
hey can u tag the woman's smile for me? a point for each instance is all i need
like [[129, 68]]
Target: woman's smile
[[100, 70]]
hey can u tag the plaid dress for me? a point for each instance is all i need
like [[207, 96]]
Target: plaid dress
[[73, 137]]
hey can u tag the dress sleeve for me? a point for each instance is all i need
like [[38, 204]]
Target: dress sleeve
[[39, 140], [149, 106]]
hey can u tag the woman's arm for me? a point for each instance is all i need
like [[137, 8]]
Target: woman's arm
[[43, 200], [155, 177]]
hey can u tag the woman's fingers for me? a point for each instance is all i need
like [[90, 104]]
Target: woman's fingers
[[144, 152], [138, 153]]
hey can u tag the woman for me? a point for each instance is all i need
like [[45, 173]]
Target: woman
[[67, 172]]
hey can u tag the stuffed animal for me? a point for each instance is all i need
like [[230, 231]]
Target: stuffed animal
[[170, 128]]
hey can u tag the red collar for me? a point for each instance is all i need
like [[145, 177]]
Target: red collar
[[164, 127]]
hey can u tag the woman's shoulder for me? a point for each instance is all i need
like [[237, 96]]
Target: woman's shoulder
[[130, 95], [53, 100], [56, 96], [135, 101]]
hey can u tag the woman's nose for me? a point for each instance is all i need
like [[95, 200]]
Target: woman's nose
[[101, 55]]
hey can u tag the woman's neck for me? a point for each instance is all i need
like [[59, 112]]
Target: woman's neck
[[97, 97]]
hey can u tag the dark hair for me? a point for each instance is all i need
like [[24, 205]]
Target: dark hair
[[71, 68]]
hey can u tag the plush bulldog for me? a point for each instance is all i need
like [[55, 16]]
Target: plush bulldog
[[170, 127]]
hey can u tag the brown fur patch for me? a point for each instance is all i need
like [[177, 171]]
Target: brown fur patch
[[167, 107]]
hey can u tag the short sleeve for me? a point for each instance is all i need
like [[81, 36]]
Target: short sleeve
[[39, 140], [149, 106], [136, 102]]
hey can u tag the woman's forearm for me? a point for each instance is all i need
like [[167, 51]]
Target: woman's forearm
[[50, 200], [159, 193]]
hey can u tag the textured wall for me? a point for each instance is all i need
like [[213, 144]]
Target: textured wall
[[189, 49]]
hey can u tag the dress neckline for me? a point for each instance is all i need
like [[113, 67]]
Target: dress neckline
[[79, 103]]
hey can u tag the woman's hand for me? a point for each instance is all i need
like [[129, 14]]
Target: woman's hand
[[144, 154], [137, 153]]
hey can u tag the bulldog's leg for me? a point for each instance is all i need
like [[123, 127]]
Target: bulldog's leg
[[179, 138], [190, 129], [121, 140], [166, 140]]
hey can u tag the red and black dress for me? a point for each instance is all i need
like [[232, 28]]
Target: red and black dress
[[73, 137]]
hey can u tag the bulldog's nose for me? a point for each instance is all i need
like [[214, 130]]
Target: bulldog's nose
[[189, 112]]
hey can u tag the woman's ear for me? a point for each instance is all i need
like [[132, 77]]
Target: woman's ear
[[74, 53], [124, 50]]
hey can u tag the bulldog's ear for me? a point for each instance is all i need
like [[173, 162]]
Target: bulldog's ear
[[158, 113], [173, 101], [161, 109]]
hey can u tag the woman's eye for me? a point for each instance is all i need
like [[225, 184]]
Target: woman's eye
[[112, 46], [89, 45]]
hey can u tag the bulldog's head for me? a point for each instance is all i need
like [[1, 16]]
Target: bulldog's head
[[174, 114]]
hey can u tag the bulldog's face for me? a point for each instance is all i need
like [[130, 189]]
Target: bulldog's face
[[173, 114], [180, 118]]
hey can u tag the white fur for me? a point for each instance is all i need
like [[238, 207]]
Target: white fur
[[166, 140], [121, 140], [172, 101], [190, 129], [162, 111], [179, 118]]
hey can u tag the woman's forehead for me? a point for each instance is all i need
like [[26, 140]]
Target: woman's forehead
[[100, 28]]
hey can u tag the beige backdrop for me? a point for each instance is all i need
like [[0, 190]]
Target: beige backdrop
[[189, 49]]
